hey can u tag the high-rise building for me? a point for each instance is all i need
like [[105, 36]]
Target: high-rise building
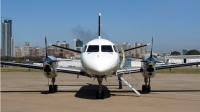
[[58, 43], [78, 44], [17, 52], [42, 51], [6, 35], [140, 51], [127, 46], [12, 47], [26, 49]]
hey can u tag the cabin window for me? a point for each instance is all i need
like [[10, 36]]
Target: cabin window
[[84, 48], [93, 48], [106, 48]]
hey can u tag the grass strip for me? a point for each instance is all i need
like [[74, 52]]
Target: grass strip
[[180, 71]]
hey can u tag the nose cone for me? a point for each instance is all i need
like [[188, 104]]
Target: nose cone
[[100, 65]]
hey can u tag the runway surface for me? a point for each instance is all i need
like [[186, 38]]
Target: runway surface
[[28, 92]]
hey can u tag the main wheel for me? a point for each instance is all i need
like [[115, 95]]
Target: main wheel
[[55, 88], [102, 95], [50, 89], [97, 95], [143, 88], [148, 89]]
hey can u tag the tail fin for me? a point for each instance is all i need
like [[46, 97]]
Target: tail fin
[[99, 25], [167, 62]]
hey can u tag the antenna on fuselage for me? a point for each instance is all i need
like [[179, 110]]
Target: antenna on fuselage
[[99, 25]]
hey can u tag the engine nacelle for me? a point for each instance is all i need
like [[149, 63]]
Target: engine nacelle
[[49, 72], [49, 65]]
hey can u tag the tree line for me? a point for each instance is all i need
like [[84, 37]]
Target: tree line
[[22, 59], [191, 52]]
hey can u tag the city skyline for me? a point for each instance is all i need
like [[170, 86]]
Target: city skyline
[[173, 26]]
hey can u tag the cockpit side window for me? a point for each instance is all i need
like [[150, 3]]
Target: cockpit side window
[[84, 48], [106, 48], [115, 48], [93, 48]]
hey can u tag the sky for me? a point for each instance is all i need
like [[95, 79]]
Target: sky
[[174, 24]]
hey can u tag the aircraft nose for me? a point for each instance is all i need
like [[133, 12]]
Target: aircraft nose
[[99, 66]]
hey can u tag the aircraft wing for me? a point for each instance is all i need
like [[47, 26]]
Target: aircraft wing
[[176, 65], [71, 70], [135, 48], [21, 65], [129, 70], [72, 50], [137, 70], [59, 69]]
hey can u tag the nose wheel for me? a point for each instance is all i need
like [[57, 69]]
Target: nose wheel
[[146, 88], [53, 88], [100, 93]]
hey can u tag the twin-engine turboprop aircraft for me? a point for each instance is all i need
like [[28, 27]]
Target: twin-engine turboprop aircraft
[[100, 59]]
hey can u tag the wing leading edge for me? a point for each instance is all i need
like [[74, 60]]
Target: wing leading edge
[[176, 65], [137, 70], [63, 70]]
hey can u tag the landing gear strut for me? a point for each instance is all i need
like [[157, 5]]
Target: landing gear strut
[[146, 88], [53, 88], [100, 93]]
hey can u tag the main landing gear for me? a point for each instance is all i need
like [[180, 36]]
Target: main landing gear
[[100, 93], [146, 88], [53, 88]]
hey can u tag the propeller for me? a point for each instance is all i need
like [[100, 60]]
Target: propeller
[[151, 55], [46, 47]]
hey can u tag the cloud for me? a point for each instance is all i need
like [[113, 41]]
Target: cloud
[[81, 33], [164, 11], [86, 35]]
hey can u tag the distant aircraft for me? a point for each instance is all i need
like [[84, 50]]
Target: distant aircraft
[[100, 59]]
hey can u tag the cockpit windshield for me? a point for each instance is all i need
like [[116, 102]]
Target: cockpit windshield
[[84, 48], [106, 48], [93, 48], [115, 49]]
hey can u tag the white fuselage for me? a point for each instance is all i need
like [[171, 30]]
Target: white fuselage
[[100, 58]]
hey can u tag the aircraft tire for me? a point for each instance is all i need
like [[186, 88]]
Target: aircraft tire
[[55, 88], [97, 95], [102, 95], [50, 89], [143, 88], [149, 89]]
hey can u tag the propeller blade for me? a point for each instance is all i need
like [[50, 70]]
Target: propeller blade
[[46, 46], [151, 55]]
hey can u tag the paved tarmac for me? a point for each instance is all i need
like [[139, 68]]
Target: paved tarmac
[[28, 92]]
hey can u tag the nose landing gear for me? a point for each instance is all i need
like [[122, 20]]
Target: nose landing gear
[[146, 88], [53, 88], [100, 93]]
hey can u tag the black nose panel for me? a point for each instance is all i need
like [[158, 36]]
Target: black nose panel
[[150, 69], [47, 68]]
